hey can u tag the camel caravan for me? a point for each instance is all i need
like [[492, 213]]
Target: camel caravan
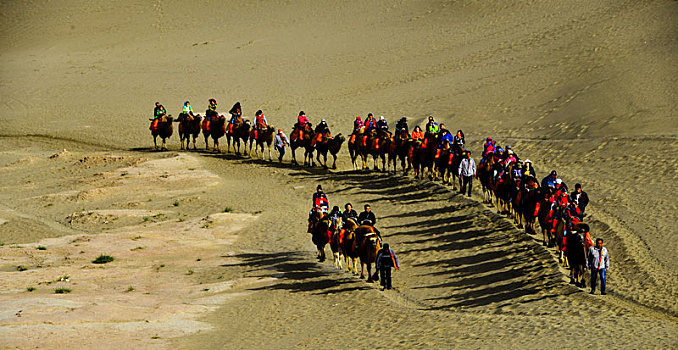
[[507, 182], [511, 186]]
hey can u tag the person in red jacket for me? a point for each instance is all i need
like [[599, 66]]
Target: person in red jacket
[[301, 124]]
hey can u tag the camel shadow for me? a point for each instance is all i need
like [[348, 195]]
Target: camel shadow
[[295, 275]]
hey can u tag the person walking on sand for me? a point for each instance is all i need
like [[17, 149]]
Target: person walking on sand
[[467, 170], [279, 143], [386, 259], [599, 264]]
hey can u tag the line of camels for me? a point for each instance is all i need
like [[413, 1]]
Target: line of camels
[[525, 201]]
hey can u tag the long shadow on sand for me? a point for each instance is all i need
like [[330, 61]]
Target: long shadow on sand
[[295, 274]]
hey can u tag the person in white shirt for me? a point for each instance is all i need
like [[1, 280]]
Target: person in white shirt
[[467, 170], [598, 263]]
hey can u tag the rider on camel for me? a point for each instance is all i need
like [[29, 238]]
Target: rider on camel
[[320, 198], [401, 128], [417, 133], [382, 125], [349, 213], [210, 113], [320, 202], [301, 124], [357, 128], [446, 138], [431, 126], [488, 147], [320, 130], [550, 180], [459, 139], [370, 124], [186, 110], [235, 112], [158, 112], [528, 170], [367, 217], [260, 122]]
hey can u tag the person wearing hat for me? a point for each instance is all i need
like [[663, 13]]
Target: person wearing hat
[[320, 199], [550, 180], [431, 126], [210, 113], [235, 112], [321, 130], [517, 172], [158, 112], [301, 124], [279, 143], [488, 147], [322, 127], [467, 170], [334, 215], [386, 259], [580, 198], [186, 110], [402, 124], [357, 129], [382, 124], [528, 170]]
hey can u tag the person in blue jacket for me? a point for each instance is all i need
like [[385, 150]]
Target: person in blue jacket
[[386, 259], [550, 180]]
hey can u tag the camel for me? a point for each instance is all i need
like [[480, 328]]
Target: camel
[[561, 246], [335, 239], [576, 256], [443, 162], [541, 211], [529, 197], [403, 145], [261, 137], [240, 130], [331, 144], [164, 129], [216, 131], [417, 158], [390, 149], [354, 148], [320, 236], [427, 154], [502, 186], [368, 248], [379, 147], [305, 142], [365, 144], [485, 174], [347, 245], [189, 126]]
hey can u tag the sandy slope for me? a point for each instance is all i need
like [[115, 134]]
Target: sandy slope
[[585, 88]]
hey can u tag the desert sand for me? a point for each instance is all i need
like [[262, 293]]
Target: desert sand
[[211, 250]]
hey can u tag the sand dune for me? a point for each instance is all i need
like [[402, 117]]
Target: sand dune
[[588, 88]]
